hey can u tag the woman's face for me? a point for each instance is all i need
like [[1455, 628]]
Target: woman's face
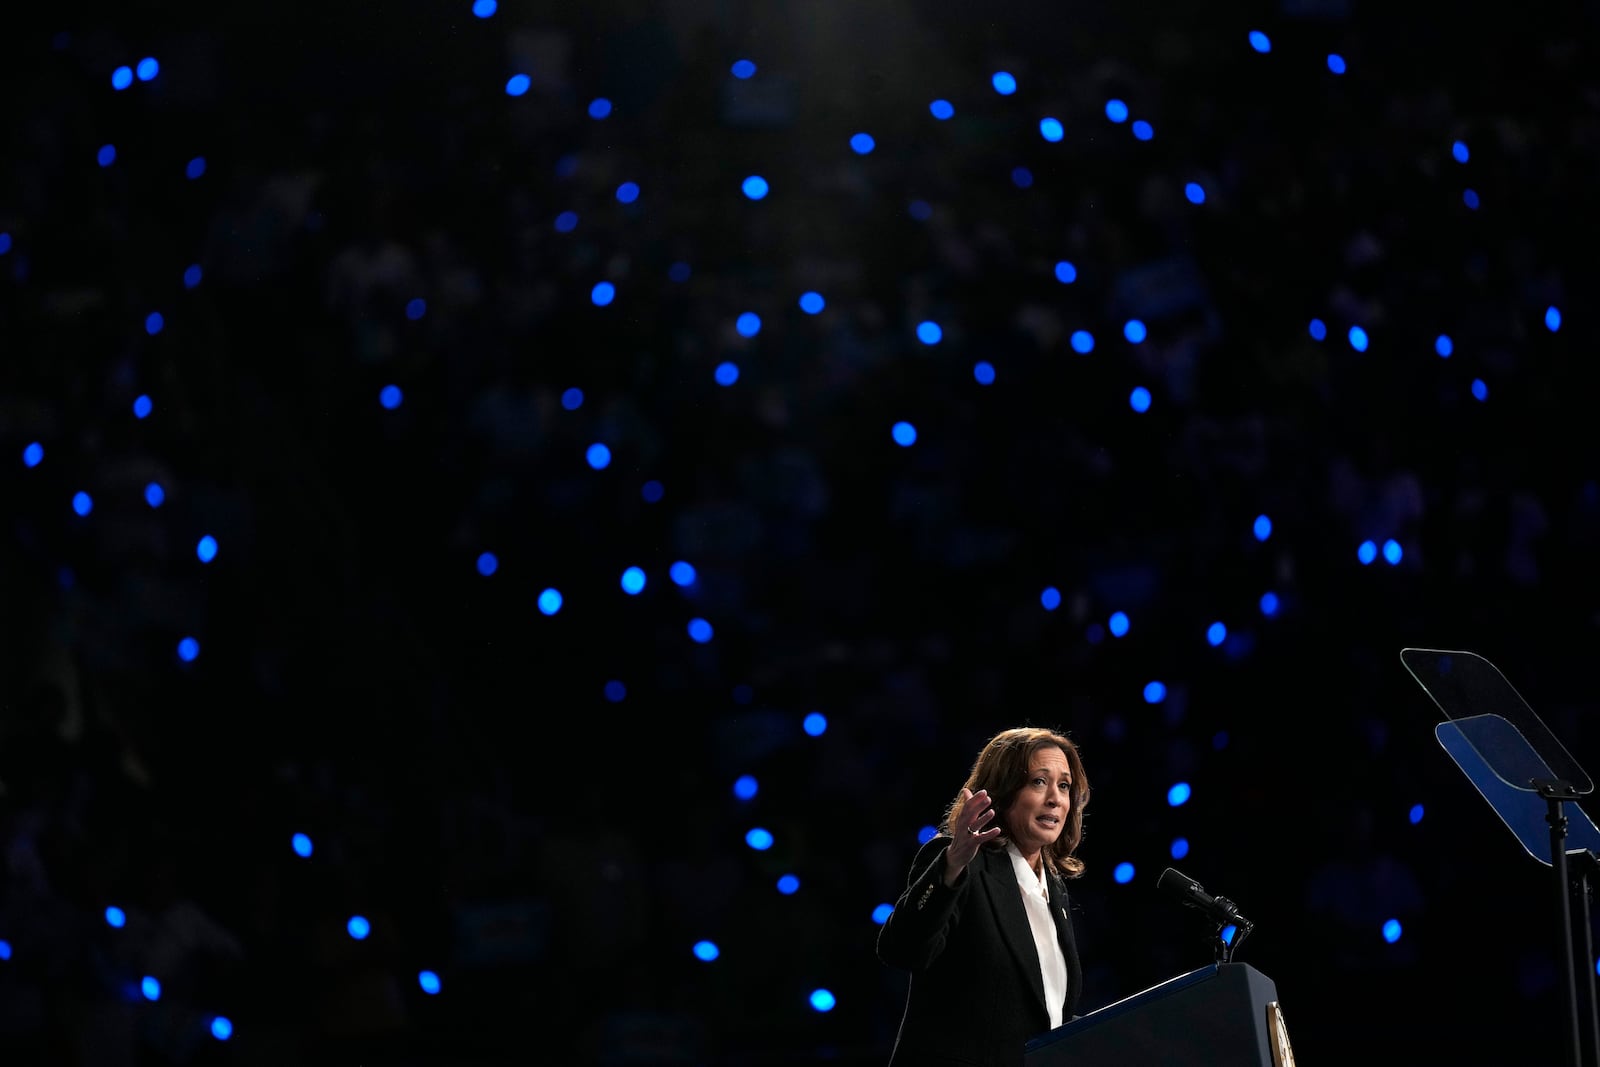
[[1040, 810]]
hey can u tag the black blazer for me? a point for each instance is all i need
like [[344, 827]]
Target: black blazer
[[976, 993]]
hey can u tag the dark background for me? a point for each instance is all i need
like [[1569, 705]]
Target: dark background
[[553, 854]]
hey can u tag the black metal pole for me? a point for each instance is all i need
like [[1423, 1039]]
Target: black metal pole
[[1557, 818], [1587, 887]]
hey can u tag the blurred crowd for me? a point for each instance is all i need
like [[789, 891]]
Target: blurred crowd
[[375, 210]]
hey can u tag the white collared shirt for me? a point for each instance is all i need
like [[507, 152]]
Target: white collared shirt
[[1052, 961]]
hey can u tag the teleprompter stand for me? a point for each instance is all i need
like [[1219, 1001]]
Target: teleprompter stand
[[1534, 785]]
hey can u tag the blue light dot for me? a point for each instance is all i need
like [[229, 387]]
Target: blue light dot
[[1319, 330], [1219, 740], [941, 110], [1082, 342], [1392, 552], [1142, 130], [154, 323], [881, 913], [1336, 63], [743, 69], [390, 397], [1366, 552], [301, 845], [206, 549], [1552, 318], [615, 691], [1415, 814], [1469, 197], [142, 407], [1066, 273], [726, 373], [929, 333], [1050, 599], [154, 495], [699, 631], [1022, 177], [745, 787], [550, 601], [1116, 111], [822, 1000], [812, 303], [920, 210], [862, 143], [572, 398], [1003, 83], [1123, 873], [748, 324], [706, 951], [815, 724], [566, 222], [983, 371], [1216, 633], [628, 192], [1194, 193], [484, 8], [652, 491], [905, 434], [107, 155], [755, 187], [926, 834], [1480, 391], [116, 917], [518, 84], [358, 927], [679, 272], [121, 78], [82, 503], [1391, 930], [5, 242], [633, 581], [1228, 933], [599, 107], [33, 455], [602, 294], [150, 987], [682, 574], [1358, 339], [758, 839], [429, 982], [147, 69], [188, 649], [1443, 346], [598, 456], [221, 1028], [1051, 129], [788, 885], [196, 168], [1155, 692], [1178, 795], [1460, 152], [1179, 848], [1134, 331], [1262, 527], [1139, 399], [416, 307], [1118, 624], [1260, 42], [1269, 604], [488, 563], [191, 276]]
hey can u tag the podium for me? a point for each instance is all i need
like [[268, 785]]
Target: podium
[[1222, 1014]]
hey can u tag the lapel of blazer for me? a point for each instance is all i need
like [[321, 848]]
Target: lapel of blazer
[[1005, 897]]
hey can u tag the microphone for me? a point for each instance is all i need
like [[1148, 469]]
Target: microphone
[[1220, 910]]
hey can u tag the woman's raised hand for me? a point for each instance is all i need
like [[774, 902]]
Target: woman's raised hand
[[970, 831]]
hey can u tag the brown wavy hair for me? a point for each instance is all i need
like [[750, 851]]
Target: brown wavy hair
[[1002, 768]]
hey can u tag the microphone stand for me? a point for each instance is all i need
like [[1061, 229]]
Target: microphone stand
[[1223, 946]]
